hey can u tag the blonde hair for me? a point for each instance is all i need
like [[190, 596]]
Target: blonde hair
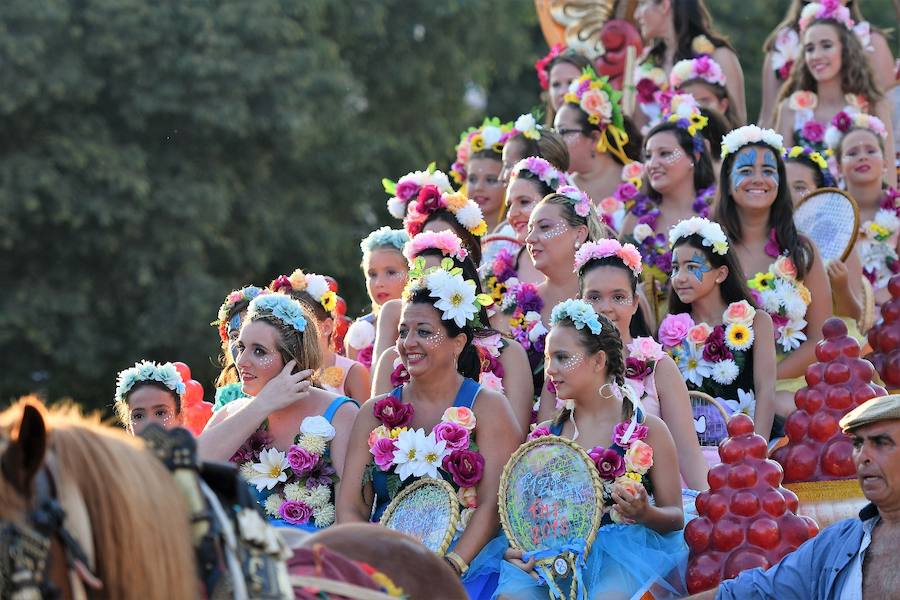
[[595, 227], [302, 347]]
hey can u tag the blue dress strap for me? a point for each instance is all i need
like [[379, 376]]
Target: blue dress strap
[[556, 428], [467, 393], [335, 405]]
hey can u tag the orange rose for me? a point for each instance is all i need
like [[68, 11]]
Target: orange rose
[[739, 312], [379, 432], [784, 267], [460, 415], [639, 457], [596, 102], [803, 101], [610, 205], [698, 333], [468, 497], [633, 170]]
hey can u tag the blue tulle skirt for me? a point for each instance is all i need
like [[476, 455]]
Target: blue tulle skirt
[[483, 575], [625, 561]]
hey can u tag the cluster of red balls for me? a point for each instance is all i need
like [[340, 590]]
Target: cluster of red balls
[[885, 338]]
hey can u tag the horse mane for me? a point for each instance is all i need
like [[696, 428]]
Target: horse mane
[[140, 524]]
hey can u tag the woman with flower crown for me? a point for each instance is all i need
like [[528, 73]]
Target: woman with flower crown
[[337, 374], [679, 183], [288, 438], [386, 271], [228, 322], [600, 139], [608, 274], [390, 448], [788, 278], [832, 76], [478, 165], [859, 143], [504, 363], [147, 393], [783, 48], [677, 30], [640, 540], [555, 72], [722, 344], [703, 78], [528, 138]]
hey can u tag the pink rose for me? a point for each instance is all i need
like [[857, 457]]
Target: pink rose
[[739, 312], [645, 348], [466, 467], [364, 356], [784, 267], [539, 432], [596, 102], [429, 200], [698, 333], [456, 436], [636, 369], [295, 512], [645, 89], [610, 205], [301, 460], [633, 170], [393, 413], [609, 463], [813, 131], [407, 190], [640, 433], [803, 101], [383, 451], [674, 329], [639, 457]]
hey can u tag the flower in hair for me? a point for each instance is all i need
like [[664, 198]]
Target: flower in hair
[[627, 253], [384, 237], [815, 158], [711, 232], [704, 68], [844, 121], [751, 134], [457, 297], [827, 9], [282, 307], [527, 125], [490, 135], [408, 187], [146, 370], [446, 241], [317, 286], [579, 312], [541, 65], [684, 111], [541, 169], [466, 211], [577, 198], [596, 97], [223, 321]]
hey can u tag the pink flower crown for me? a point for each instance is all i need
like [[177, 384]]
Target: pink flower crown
[[446, 241], [577, 198], [543, 170], [431, 199], [606, 248], [845, 121], [490, 135], [542, 65], [703, 68], [827, 9]]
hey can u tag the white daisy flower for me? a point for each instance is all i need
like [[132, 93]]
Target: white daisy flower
[[270, 470], [725, 371]]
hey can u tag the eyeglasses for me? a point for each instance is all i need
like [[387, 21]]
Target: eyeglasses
[[566, 132]]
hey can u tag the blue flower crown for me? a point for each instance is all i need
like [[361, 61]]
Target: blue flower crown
[[579, 312], [282, 307], [146, 370], [382, 237]]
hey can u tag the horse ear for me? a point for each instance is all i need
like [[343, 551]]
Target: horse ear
[[24, 455]]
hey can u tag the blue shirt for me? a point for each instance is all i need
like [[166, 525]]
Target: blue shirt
[[821, 568]]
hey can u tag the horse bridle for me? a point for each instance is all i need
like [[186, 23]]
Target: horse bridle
[[25, 548]]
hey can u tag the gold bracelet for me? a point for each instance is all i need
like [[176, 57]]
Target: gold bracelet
[[457, 561]]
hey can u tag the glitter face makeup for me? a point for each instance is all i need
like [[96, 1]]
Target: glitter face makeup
[[742, 167], [268, 360], [434, 339], [672, 157], [569, 364]]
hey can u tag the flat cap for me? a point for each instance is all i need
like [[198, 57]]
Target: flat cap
[[883, 408]]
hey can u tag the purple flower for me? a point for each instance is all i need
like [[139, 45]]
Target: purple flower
[[504, 265], [637, 369], [456, 436], [301, 460], [407, 190], [295, 512], [393, 413], [249, 450], [626, 191], [813, 131], [322, 474], [539, 432], [715, 350], [466, 467], [609, 462], [842, 121], [528, 299], [640, 433], [364, 356]]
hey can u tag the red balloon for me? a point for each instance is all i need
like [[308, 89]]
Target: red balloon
[[196, 416], [193, 393], [184, 371]]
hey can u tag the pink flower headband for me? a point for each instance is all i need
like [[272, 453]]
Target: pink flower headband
[[845, 121], [827, 9], [541, 65], [605, 248], [703, 68], [446, 241], [577, 198], [543, 170], [431, 199]]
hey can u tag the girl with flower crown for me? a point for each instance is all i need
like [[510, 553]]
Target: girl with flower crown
[[337, 374], [679, 183], [555, 72], [228, 322], [530, 139], [859, 143], [640, 539], [783, 48], [788, 278], [807, 171], [504, 363], [386, 272], [288, 438], [148, 393], [478, 165], [832, 76], [389, 445], [608, 274], [679, 30], [703, 78], [722, 344], [599, 138]]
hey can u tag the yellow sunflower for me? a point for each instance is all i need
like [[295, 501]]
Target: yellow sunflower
[[476, 144], [329, 300], [762, 281], [738, 337]]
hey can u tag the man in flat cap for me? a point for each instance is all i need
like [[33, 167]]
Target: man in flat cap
[[856, 559]]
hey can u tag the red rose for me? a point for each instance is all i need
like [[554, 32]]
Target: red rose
[[393, 413], [465, 466], [645, 89], [715, 350], [429, 200]]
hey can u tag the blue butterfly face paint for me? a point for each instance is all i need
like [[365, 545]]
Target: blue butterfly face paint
[[770, 166], [743, 166], [699, 266]]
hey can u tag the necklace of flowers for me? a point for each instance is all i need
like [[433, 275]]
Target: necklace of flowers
[[710, 358], [298, 485], [878, 253], [624, 197], [784, 297], [448, 451], [811, 132], [523, 303], [643, 354], [625, 463]]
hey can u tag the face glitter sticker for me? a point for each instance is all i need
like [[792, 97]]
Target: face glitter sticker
[[673, 156], [700, 267], [433, 339], [267, 360], [553, 232], [742, 167], [569, 364]]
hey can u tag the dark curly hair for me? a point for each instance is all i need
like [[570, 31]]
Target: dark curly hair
[[468, 364]]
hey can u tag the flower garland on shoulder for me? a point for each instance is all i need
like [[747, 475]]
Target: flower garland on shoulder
[[785, 298], [785, 51], [877, 247], [523, 304], [407, 189], [612, 209], [810, 132], [643, 354], [297, 486], [448, 452], [490, 135]]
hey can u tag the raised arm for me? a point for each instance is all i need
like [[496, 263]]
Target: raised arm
[[388, 324]]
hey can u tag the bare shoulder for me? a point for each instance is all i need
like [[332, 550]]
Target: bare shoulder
[[726, 57]]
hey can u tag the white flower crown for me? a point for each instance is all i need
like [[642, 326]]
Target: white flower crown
[[751, 134], [712, 233]]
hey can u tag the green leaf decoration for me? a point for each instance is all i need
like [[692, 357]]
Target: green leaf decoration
[[389, 186]]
